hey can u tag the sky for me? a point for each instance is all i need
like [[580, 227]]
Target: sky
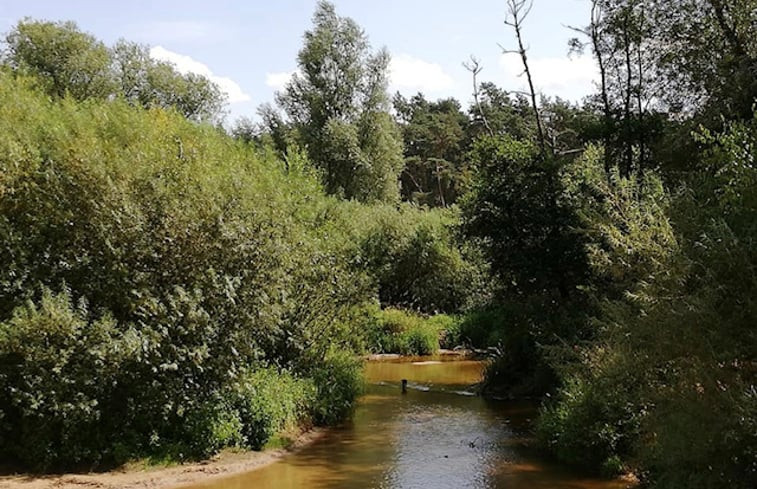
[[249, 47]]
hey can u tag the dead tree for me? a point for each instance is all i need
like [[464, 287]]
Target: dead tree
[[517, 12], [475, 68]]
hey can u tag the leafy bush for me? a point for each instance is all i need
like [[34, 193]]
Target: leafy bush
[[596, 420], [338, 382], [197, 257], [57, 366], [415, 258], [421, 339], [268, 401], [449, 328], [398, 331]]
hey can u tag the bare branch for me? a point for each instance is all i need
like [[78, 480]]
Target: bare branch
[[518, 10], [474, 66]]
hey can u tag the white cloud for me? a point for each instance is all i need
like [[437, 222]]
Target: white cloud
[[408, 72], [185, 64], [405, 73], [278, 81], [568, 78]]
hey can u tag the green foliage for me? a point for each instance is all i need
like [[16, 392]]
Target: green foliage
[[338, 106], [515, 212], [63, 58], [436, 139], [416, 258], [399, 331], [144, 81], [198, 258], [450, 329], [268, 401], [673, 389], [68, 61], [597, 419], [58, 365], [338, 382]]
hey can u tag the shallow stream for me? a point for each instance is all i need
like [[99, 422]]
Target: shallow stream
[[437, 435]]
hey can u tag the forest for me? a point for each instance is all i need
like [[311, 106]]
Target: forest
[[173, 283]]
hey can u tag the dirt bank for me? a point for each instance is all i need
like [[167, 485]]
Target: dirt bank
[[131, 477]]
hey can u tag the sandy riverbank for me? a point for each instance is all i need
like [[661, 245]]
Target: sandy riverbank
[[132, 477]]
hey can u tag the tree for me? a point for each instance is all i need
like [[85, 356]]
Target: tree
[[338, 104], [69, 61], [517, 11], [435, 144], [515, 211], [145, 81], [64, 58]]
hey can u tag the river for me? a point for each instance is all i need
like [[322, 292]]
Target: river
[[437, 435]]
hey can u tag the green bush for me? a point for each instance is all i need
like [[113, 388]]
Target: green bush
[[338, 382], [268, 401], [449, 328], [197, 256], [595, 421], [415, 258], [57, 366], [421, 339], [398, 331]]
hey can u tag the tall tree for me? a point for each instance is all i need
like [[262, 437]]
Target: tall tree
[[339, 106], [148, 82], [435, 145], [69, 61], [66, 59]]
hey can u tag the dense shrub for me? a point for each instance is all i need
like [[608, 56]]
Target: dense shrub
[[449, 328], [597, 419], [338, 381], [408, 333], [57, 365], [415, 258], [178, 258], [268, 401]]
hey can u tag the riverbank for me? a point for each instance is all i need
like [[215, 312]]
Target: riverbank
[[142, 476]]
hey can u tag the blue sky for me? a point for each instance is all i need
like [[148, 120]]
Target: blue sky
[[250, 47]]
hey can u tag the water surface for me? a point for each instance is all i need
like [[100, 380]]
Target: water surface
[[438, 435]]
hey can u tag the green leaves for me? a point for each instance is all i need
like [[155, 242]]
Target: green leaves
[[197, 258], [338, 106]]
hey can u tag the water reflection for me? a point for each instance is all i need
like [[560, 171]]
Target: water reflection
[[432, 437]]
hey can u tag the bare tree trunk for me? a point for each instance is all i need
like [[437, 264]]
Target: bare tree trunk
[[627, 102], [475, 68], [639, 95], [439, 185], [596, 17], [518, 10]]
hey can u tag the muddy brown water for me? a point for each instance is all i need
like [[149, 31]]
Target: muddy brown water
[[437, 435]]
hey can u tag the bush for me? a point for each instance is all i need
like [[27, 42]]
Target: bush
[[268, 401], [197, 257], [421, 339], [338, 382], [58, 367], [595, 421], [415, 258], [449, 328], [397, 331]]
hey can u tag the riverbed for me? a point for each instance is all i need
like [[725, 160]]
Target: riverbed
[[436, 435]]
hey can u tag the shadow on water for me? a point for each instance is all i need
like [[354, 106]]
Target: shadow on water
[[435, 436]]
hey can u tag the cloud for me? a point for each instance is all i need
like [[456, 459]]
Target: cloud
[[405, 73], [411, 73], [278, 81], [569, 78], [185, 64]]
